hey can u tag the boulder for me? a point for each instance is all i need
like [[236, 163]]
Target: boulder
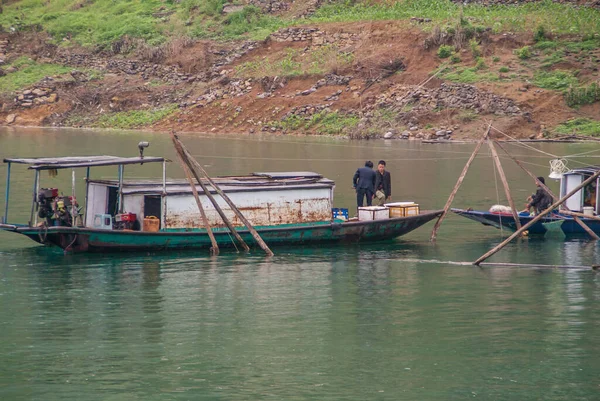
[[11, 118]]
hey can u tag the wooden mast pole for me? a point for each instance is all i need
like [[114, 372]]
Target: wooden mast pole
[[182, 153], [504, 183], [537, 218], [239, 214], [214, 250], [438, 223], [545, 188]]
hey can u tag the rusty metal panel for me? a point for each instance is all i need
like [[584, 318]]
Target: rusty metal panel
[[261, 208]]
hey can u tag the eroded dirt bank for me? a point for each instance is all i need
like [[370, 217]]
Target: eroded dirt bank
[[357, 79]]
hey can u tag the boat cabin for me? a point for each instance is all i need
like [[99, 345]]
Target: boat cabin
[[265, 199], [586, 199]]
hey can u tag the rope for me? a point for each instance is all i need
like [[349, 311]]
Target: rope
[[43, 239], [71, 244], [524, 144], [233, 242]]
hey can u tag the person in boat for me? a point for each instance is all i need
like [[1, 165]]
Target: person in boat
[[590, 195], [383, 184], [364, 183], [539, 201]]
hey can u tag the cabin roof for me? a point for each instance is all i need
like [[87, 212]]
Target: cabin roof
[[587, 169], [248, 183], [54, 163]]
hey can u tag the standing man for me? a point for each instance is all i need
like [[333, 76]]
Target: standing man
[[383, 184], [364, 183]]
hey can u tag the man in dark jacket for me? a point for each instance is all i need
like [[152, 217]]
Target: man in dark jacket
[[541, 200], [364, 183], [383, 184]]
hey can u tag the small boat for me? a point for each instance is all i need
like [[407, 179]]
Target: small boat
[[584, 203], [286, 208]]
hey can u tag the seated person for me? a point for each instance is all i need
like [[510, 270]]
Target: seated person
[[541, 200], [590, 196]]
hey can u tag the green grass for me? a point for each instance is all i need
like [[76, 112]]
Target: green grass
[[101, 22], [319, 60], [134, 118], [579, 126], [28, 73], [556, 80], [577, 96], [469, 75], [324, 122], [557, 18]]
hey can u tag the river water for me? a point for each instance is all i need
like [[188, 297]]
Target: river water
[[393, 321]]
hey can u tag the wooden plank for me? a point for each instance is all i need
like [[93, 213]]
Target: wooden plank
[[438, 223], [215, 247], [504, 183], [183, 153], [250, 227], [537, 218]]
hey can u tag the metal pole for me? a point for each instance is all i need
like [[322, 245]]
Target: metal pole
[[87, 189], [73, 207], [6, 194], [164, 195], [35, 191], [120, 208]]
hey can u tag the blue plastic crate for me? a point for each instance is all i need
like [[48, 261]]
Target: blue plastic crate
[[339, 213]]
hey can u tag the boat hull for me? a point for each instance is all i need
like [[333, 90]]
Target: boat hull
[[77, 239], [568, 225], [506, 221]]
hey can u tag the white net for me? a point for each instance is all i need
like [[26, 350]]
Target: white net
[[557, 168]]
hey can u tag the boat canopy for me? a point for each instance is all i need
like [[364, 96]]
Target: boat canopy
[[55, 163]]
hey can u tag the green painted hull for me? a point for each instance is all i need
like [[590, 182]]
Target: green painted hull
[[94, 240]]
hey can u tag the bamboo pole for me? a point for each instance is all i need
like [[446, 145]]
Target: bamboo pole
[[438, 223], [239, 214], [537, 218], [182, 152], [577, 214], [504, 183], [587, 229], [215, 247]]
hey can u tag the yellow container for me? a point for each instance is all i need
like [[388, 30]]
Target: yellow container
[[403, 209], [151, 224]]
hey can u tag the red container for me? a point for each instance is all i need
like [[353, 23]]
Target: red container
[[49, 192], [125, 217]]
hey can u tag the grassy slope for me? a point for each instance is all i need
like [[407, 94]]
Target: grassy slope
[[97, 24], [103, 21]]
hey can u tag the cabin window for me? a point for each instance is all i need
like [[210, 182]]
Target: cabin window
[[152, 206]]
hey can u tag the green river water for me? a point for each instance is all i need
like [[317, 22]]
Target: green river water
[[388, 321]]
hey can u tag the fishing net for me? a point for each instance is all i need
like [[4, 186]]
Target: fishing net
[[554, 230], [557, 168]]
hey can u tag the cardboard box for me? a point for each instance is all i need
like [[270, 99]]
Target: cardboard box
[[403, 209], [373, 213]]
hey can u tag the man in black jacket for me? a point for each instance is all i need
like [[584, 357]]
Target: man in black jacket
[[383, 184], [364, 183]]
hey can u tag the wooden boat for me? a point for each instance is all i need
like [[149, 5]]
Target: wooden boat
[[584, 202], [291, 208]]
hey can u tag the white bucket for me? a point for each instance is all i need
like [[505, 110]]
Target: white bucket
[[588, 210]]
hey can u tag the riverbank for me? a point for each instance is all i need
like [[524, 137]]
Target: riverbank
[[423, 77]]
